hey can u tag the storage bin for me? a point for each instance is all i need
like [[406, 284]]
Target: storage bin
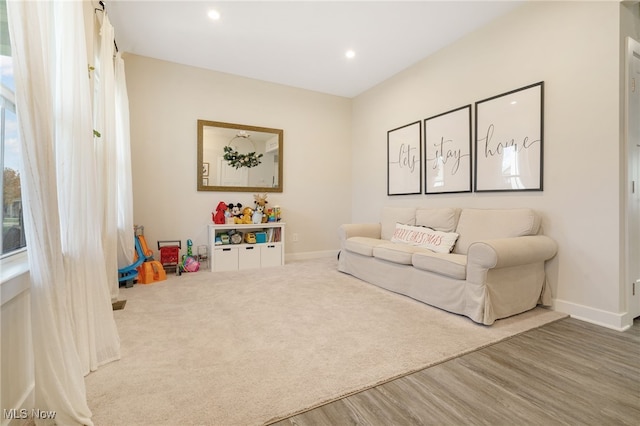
[[270, 255], [225, 259], [248, 257]]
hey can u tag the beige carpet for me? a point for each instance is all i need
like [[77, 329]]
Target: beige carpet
[[252, 347]]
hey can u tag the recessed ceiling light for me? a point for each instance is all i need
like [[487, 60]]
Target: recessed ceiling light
[[350, 54], [214, 14]]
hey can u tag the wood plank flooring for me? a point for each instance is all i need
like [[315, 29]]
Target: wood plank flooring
[[566, 373]]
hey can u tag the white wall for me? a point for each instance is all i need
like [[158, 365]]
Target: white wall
[[16, 347], [574, 48], [167, 99]]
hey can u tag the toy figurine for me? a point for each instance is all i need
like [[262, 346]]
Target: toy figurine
[[261, 205], [236, 212], [247, 216], [219, 215]]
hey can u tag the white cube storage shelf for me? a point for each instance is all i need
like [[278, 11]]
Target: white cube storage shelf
[[233, 257]]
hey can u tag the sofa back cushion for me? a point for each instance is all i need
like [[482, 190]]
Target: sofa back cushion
[[444, 219], [393, 215], [484, 224]]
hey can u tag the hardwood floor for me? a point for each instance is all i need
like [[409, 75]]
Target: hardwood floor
[[566, 373]]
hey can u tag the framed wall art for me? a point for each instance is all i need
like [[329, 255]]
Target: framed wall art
[[447, 139], [404, 160], [509, 141]]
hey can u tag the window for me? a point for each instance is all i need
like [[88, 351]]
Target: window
[[11, 214]]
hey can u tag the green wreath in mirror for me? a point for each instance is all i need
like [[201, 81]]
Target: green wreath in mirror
[[237, 160]]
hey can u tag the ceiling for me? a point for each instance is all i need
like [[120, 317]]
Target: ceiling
[[299, 43]]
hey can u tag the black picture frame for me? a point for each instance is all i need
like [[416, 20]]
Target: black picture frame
[[448, 152], [404, 159], [509, 141]]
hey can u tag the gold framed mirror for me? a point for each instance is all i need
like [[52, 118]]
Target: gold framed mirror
[[239, 158]]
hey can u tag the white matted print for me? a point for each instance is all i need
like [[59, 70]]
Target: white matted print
[[447, 139], [404, 160], [509, 141]]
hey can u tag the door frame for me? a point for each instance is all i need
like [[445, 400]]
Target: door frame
[[632, 188]]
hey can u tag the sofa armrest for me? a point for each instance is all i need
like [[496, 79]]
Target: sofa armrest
[[348, 230], [505, 252]]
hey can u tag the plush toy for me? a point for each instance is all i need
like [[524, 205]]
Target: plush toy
[[247, 216], [257, 215], [228, 218], [219, 215], [261, 205], [236, 212]]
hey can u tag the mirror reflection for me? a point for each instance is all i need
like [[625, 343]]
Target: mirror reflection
[[237, 157]]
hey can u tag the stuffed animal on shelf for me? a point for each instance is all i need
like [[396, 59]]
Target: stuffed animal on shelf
[[236, 212], [257, 216], [219, 215], [247, 216], [261, 206]]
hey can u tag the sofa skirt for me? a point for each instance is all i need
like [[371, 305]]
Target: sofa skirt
[[456, 296]]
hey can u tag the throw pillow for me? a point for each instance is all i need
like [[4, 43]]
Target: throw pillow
[[419, 236]]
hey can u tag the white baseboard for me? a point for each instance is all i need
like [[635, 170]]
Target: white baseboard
[[311, 255], [615, 321]]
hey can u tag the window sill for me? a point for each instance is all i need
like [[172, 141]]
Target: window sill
[[14, 278]]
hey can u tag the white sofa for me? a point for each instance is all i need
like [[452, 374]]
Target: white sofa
[[495, 270]]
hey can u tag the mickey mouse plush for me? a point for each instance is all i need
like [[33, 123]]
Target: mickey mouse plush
[[236, 212], [219, 217]]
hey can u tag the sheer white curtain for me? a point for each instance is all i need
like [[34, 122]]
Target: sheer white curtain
[[126, 246], [86, 274], [72, 321], [104, 121]]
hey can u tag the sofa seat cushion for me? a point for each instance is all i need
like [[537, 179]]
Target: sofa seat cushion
[[397, 252], [448, 264], [362, 245]]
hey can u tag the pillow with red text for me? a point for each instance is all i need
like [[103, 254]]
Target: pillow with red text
[[420, 236]]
